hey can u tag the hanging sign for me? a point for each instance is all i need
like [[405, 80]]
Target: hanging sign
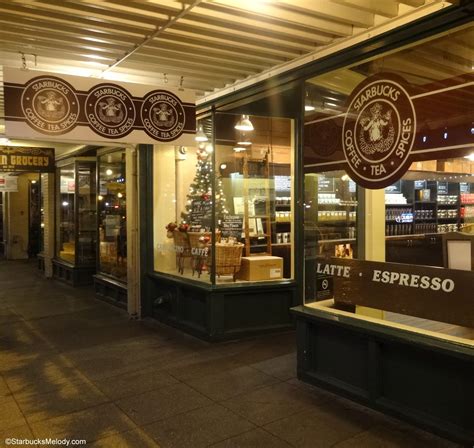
[[78, 108], [20, 159], [8, 183]]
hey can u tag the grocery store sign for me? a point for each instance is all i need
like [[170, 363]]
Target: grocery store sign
[[83, 109], [26, 159], [427, 292]]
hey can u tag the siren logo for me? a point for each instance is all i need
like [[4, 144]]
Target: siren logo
[[50, 105], [110, 110], [163, 115], [379, 131]]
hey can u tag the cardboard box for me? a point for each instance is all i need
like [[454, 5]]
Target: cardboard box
[[261, 267]]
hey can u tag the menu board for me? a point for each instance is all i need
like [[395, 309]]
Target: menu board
[[465, 187], [420, 184], [231, 226], [325, 184], [442, 188], [201, 213]]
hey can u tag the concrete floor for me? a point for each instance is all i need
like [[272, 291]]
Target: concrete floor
[[74, 367]]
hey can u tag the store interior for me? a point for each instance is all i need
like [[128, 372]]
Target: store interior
[[253, 213]]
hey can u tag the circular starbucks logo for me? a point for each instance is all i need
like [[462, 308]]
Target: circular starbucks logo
[[50, 105], [163, 115], [110, 110], [378, 132]]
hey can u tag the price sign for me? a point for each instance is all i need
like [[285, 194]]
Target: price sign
[[231, 226]]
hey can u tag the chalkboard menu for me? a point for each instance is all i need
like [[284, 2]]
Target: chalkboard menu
[[231, 226], [201, 213], [442, 188]]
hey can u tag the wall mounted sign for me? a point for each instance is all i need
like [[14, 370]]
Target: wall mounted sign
[[16, 159], [378, 132], [8, 183], [442, 188], [82, 109], [387, 119], [428, 292]]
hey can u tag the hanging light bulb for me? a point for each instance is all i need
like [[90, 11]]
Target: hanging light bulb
[[109, 172], [200, 135], [209, 149], [244, 124]]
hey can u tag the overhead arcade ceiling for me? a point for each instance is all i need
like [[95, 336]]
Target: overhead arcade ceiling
[[204, 45]]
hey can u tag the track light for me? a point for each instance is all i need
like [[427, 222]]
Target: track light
[[200, 135], [244, 124]]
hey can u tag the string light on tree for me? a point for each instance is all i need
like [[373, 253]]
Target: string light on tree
[[201, 187]]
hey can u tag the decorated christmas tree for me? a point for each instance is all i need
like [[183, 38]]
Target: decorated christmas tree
[[199, 198]]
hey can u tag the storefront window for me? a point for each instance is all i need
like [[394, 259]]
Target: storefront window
[[411, 264], [225, 213], [76, 212], [66, 229], [112, 216]]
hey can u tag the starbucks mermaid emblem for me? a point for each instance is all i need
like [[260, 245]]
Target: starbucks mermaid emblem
[[379, 131], [163, 115], [110, 110], [50, 105]]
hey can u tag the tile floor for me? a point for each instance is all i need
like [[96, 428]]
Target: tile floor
[[74, 367]]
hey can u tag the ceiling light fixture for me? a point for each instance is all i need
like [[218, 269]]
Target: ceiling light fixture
[[200, 135], [308, 104], [244, 124], [470, 157]]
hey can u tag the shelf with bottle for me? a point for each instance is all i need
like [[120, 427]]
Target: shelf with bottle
[[336, 215], [467, 198], [398, 229]]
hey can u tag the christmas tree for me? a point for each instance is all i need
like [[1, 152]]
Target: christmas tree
[[200, 190]]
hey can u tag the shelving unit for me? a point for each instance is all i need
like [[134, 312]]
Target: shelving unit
[[253, 242]]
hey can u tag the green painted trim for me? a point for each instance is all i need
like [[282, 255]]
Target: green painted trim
[[208, 287], [400, 334]]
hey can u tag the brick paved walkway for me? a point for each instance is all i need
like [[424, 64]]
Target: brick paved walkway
[[73, 367]]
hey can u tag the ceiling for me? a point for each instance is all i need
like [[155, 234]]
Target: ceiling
[[209, 43], [205, 45]]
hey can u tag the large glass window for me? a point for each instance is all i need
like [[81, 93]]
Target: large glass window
[[76, 213], [112, 215], [66, 223], [225, 213], [424, 221]]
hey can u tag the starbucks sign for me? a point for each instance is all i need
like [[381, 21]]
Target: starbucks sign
[[378, 131]]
